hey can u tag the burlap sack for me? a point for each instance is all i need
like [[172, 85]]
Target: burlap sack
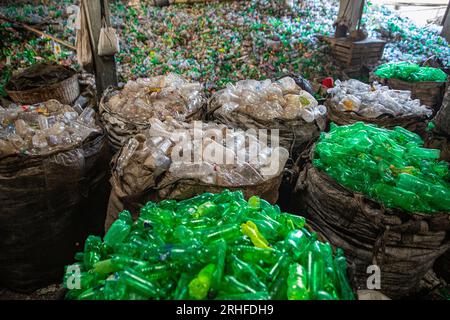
[[414, 123], [404, 245], [50, 203], [139, 184]]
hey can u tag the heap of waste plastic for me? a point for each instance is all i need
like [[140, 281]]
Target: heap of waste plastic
[[209, 152], [371, 101], [391, 166], [266, 100], [410, 72], [159, 96], [212, 246], [44, 127]]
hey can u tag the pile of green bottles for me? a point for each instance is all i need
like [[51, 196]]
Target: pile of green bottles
[[212, 246], [410, 72], [388, 165]]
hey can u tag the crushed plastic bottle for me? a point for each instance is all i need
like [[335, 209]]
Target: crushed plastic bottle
[[374, 100], [388, 165], [212, 246]]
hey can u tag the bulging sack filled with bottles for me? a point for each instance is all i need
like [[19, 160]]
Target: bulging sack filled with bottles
[[212, 246], [382, 197], [177, 160], [44, 128], [410, 72], [127, 112], [274, 105], [53, 189], [438, 133], [352, 101]]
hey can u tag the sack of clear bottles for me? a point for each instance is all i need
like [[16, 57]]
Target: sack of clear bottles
[[44, 128], [53, 179], [176, 159], [280, 105], [374, 100], [267, 100], [127, 111]]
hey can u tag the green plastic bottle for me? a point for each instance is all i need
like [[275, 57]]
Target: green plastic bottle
[[200, 285], [297, 283]]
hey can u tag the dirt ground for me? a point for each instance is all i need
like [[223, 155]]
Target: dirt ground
[[51, 292]]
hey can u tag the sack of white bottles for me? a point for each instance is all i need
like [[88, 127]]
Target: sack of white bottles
[[127, 111], [178, 160], [53, 177], [352, 101]]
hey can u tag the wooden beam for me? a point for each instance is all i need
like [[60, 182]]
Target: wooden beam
[[446, 24], [105, 67]]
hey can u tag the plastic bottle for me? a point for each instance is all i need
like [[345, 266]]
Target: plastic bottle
[[199, 286], [297, 283]]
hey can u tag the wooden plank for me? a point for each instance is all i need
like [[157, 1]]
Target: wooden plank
[[358, 52], [105, 67]]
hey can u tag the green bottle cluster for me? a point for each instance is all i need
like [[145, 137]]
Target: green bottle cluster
[[212, 246], [410, 72], [391, 166]]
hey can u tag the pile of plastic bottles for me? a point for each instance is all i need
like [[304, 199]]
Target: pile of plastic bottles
[[410, 72], [160, 96], [212, 246], [267, 100], [216, 42], [44, 127], [391, 166], [209, 152], [374, 100]]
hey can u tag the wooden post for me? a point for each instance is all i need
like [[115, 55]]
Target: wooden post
[[351, 14], [105, 67], [446, 24]]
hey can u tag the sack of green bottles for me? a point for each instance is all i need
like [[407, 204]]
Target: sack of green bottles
[[383, 198], [177, 160], [410, 72], [211, 246]]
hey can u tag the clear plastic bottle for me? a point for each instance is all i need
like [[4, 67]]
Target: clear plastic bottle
[[126, 154]]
